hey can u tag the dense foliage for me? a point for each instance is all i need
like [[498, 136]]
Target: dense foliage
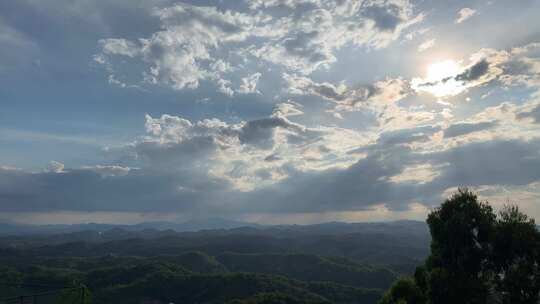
[[189, 278], [272, 265], [476, 257]]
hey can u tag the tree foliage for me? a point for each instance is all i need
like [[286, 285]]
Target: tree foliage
[[405, 290], [476, 257], [516, 257]]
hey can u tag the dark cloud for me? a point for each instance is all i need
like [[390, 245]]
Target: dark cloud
[[405, 136], [358, 187], [260, 132], [65, 32], [367, 183], [511, 162], [303, 45], [272, 157], [466, 128], [86, 190], [533, 114], [386, 18], [183, 154], [474, 72]]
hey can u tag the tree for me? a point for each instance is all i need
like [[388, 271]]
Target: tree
[[459, 265], [516, 257], [476, 257], [403, 291]]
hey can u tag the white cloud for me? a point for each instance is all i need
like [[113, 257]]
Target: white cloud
[[509, 67], [420, 174], [55, 167], [180, 55], [224, 86], [122, 47], [289, 108], [380, 98], [203, 43], [249, 84], [426, 45], [109, 170], [464, 14], [312, 33]]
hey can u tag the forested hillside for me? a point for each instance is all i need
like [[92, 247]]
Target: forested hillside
[[330, 263]]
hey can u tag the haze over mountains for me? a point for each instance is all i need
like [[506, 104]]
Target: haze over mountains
[[193, 225], [401, 242]]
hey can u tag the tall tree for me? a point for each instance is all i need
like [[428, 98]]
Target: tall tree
[[516, 258], [476, 257], [459, 265]]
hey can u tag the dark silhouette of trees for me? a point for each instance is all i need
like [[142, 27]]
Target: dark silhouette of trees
[[516, 256], [404, 291], [476, 257], [459, 264]]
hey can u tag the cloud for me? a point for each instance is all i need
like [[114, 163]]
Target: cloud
[[386, 17], [13, 39], [109, 170], [87, 190], [194, 39], [301, 85], [406, 136], [264, 165], [426, 45], [466, 128], [474, 72], [55, 167], [234, 152], [488, 163], [533, 114], [464, 14], [268, 80], [249, 84], [421, 174], [288, 108], [181, 55], [386, 176], [508, 67], [212, 134], [121, 47], [315, 30], [380, 99], [378, 94]]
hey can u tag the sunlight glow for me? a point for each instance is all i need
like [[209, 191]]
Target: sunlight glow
[[441, 70], [440, 79]]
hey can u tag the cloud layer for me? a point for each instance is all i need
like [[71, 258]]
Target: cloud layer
[[277, 108]]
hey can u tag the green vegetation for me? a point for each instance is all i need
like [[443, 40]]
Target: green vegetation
[[308, 267], [195, 277], [327, 263], [476, 257]]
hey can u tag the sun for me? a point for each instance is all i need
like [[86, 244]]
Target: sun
[[440, 79], [440, 70]]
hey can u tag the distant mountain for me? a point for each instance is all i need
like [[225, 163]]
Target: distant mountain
[[202, 262], [194, 225], [409, 227], [7, 229], [21, 229], [402, 242]]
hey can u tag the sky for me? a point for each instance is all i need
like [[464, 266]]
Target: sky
[[267, 111]]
